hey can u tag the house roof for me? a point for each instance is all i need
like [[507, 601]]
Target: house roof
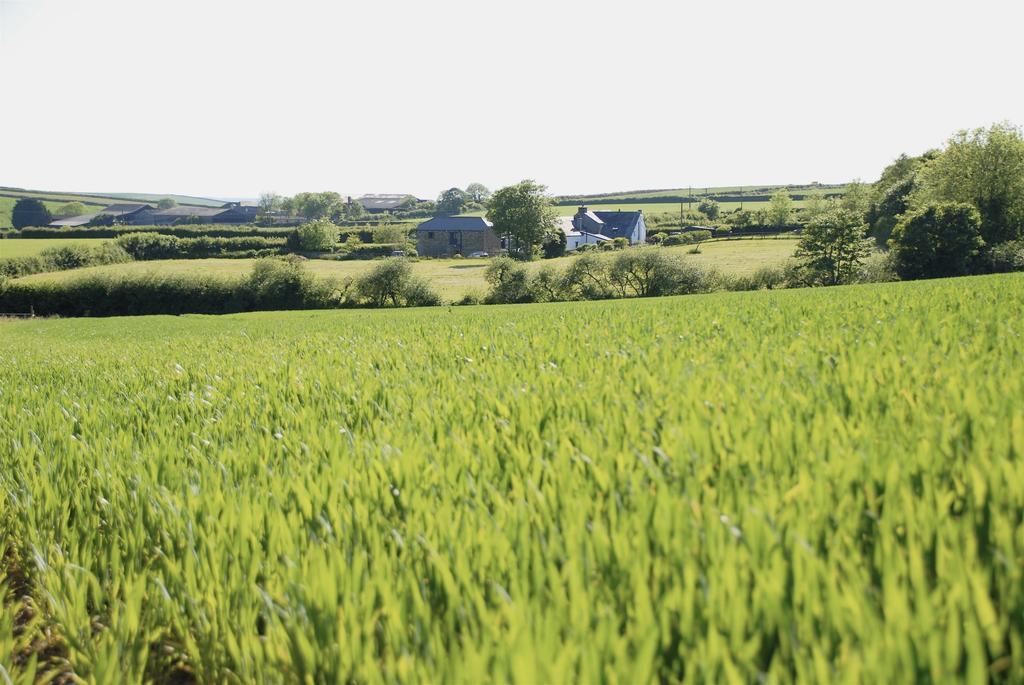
[[124, 208], [618, 224], [191, 211], [80, 220], [455, 223]]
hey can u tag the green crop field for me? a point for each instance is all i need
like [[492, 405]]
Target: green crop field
[[27, 247], [810, 485], [7, 205], [452, 278]]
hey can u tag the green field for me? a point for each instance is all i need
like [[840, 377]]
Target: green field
[[28, 247], [810, 485], [7, 205], [452, 278], [696, 191]]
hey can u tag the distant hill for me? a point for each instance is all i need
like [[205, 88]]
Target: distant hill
[[695, 193]]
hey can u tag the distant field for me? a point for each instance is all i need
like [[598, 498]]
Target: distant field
[[26, 247], [7, 205], [452, 278], [696, 191], [649, 208], [108, 198]]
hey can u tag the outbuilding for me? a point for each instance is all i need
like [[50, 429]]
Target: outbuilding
[[446, 236]]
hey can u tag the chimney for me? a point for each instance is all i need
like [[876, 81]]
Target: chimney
[[581, 210]]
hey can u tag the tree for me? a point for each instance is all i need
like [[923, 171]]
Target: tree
[[983, 168], [509, 281], [708, 208], [937, 240], [857, 198], [451, 201], [167, 203], [30, 212], [69, 210], [353, 210], [554, 245], [815, 205], [392, 281], [269, 203], [478, 192], [317, 205], [524, 215], [780, 208], [316, 236], [833, 246]]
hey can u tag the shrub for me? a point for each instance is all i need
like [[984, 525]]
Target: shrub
[[586, 278], [1008, 256], [63, 258], [721, 232], [554, 246], [316, 236], [937, 240], [509, 282], [145, 246], [391, 281], [878, 268], [657, 238], [645, 273], [687, 238], [150, 245]]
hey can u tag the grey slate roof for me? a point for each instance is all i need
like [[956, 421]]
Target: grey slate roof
[[618, 224], [455, 223], [190, 211], [124, 208]]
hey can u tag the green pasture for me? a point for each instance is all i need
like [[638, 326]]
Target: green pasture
[[29, 247]]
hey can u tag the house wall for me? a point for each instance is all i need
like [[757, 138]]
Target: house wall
[[639, 236], [448, 243]]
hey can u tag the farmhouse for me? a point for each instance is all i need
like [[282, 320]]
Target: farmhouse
[[444, 236], [611, 225], [575, 239]]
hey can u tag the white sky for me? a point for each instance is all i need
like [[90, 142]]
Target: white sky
[[232, 97]]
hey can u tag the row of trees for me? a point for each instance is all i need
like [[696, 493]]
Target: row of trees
[[949, 212], [332, 206]]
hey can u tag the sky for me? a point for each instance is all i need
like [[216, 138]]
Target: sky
[[226, 98]]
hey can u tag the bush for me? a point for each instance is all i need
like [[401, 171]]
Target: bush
[[586, 278], [1008, 256], [936, 241], [721, 232], [509, 282], [145, 246], [880, 267], [63, 258], [687, 238], [273, 284], [391, 281], [316, 236], [648, 272]]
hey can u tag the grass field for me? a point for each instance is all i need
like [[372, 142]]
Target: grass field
[[811, 485], [452, 278], [7, 205], [696, 191], [27, 247]]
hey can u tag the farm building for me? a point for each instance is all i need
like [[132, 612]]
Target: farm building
[[376, 204], [123, 213], [228, 213], [444, 236], [575, 239], [611, 225]]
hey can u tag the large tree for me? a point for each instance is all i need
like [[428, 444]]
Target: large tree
[[29, 211], [167, 203], [478, 192], [937, 241], [832, 246], [983, 168], [451, 201], [708, 208], [524, 215], [318, 205]]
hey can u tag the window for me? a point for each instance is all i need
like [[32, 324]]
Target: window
[[430, 235], [454, 238]]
